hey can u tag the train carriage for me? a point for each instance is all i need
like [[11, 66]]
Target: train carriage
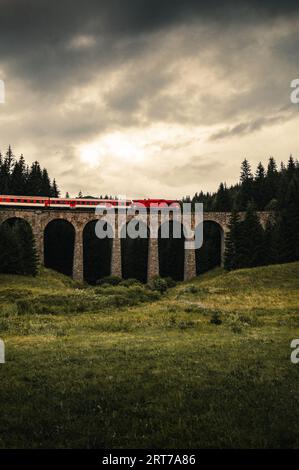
[[80, 203]]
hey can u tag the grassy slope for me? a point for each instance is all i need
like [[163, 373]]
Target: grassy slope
[[157, 374]]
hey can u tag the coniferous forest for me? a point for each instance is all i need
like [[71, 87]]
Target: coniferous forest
[[273, 189], [16, 177], [18, 252]]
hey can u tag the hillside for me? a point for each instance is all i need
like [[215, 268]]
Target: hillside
[[205, 365]]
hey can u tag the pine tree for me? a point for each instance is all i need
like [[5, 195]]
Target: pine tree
[[55, 191], [259, 187], [28, 249], [222, 202], [272, 167], [7, 166], [232, 242], [260, 172], [46, 184], [272, 181], [272, 241], [35, 180], [251, 247], [18, 177], [291, 168], [289, 226], [245, 194], [10, 251], [245, 171]]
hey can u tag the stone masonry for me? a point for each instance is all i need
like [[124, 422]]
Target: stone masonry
[[39, 219]]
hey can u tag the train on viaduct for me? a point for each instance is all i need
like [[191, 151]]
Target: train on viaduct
[[40, 215]]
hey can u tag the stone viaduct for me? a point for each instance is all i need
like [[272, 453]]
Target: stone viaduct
[[40, 218]]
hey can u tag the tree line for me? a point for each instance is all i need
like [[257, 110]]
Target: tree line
[[266, 188], [248, 244], [20, 179]]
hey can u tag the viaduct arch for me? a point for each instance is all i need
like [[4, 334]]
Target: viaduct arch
[[39, 219]]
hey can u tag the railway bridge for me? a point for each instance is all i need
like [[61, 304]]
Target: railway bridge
[[39, 219]]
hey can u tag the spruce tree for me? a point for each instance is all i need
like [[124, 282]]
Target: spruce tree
[[18, 177], [34, 182], [289, 226], [232, 242], [245, 194], [259, 187], [28, 249], [7, 166], [272, 181], [272, 241], [46, 184], [251, 251], [10, 251], [55, 191], [222, 202]]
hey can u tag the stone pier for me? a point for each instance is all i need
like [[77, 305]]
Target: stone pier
[[153, 258], [189, 264], [116, 262], [78, 256]]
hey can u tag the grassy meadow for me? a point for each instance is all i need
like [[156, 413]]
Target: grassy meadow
[[206, 364]]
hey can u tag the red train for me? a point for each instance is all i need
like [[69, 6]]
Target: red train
[[80, 203]]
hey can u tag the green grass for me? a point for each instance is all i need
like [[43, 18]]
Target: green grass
[[130, 368]]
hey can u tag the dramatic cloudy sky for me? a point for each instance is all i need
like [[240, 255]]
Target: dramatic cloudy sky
[[147, 97]]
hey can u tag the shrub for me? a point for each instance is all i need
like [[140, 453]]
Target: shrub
[[183, 325], [216, 318], [24, 306], [158, 283], [170, 282], [235, 323], [111, 280]]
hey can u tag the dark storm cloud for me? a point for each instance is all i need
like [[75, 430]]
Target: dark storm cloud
[[42, 24], [245, 128], [77, 72], [35, 34]]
